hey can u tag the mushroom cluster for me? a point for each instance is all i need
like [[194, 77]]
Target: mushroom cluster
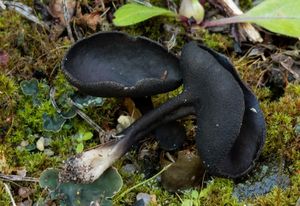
[[230, 124]]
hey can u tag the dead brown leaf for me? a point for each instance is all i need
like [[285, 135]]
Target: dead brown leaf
[[287, 63], [63, 10], [90, 20], [131, 108]]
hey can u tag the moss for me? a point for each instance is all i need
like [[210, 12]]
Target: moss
[[31, 51], [20, 43], [281, 117], [8, 99], [215, 41], [218, 192], [4, 197], [245, 4], [35, 162], [154, 29], [152, 187], [161, 98]]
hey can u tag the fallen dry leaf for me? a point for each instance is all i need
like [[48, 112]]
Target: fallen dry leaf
[[56, 8], [131, 108], [90, 20], [287, 63]]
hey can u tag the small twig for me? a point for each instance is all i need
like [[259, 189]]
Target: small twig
[[261, 77], [67, 21], [93, 124], [144, 3], [202, 182], [232, 9], [171, 43], [141, 183], [53, 50], [52, 99], [10, 127], [104, 13], [18, 178], [169, 156], [88, 120], [10, 195], [2, 5], [24, 10], [102, 4], [79, 112]]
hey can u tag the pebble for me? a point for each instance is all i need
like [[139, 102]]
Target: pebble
[[47, 141], [145, 197], [129, 169], [40, 144], [298, 202], [49, 152], [25, 203], [24, 192], [24, 143]]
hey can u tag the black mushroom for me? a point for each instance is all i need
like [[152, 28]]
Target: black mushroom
[[231, 128], [171, 135], [114, 64]]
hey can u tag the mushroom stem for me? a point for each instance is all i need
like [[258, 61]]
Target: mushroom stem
[[170, 136], [88, 166]]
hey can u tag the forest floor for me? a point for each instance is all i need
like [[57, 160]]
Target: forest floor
[[33, 137]]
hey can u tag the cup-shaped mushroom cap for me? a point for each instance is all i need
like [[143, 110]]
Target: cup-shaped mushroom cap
[[114, 64], [231, 126]]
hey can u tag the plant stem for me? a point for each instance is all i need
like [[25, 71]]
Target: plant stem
[[141, 183]]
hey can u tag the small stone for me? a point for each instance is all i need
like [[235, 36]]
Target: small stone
[[47, 141], [24, 192], [21, 172], [124, 122], [186, 172], [298, 202], [129, 169], [147, 199], [49, 152], [25, 203], [40, 144], [24, 143], [20, 148]]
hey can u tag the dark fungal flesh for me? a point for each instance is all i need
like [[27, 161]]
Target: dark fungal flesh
[[231, 128]]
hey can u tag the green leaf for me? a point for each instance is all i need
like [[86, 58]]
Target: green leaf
[[49, 179], [53, 123], [79, 147], [278, 16], [134, 13], [76, 194], [30, 87], [87, 136], [87, 101]]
